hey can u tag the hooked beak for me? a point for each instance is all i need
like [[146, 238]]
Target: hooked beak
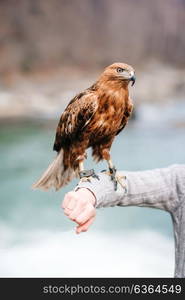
[[133, 79]]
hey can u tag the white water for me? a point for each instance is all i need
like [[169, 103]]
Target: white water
[[92, 254], [37, 240]]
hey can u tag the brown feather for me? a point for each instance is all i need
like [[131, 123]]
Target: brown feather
[[92, 119]]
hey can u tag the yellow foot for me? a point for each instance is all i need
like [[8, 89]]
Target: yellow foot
[[116, 178], [87, 175], [86, 179], [121, 180]]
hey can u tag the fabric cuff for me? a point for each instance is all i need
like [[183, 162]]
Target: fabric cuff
[[103, 190]]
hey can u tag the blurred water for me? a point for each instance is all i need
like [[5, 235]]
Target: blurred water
[[32, 224]]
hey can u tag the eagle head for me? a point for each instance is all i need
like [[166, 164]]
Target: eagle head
[[120, 71]]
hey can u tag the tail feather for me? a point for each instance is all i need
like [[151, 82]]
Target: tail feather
[[55, 175]]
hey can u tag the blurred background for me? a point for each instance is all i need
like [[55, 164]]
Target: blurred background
[[49, 51]]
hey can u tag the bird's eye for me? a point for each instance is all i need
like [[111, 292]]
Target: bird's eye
[[120, 70]]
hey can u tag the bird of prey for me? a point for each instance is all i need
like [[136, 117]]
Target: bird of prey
[[92, 119]]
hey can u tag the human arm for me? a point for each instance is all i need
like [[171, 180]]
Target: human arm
[[156, 188], [79, 207]]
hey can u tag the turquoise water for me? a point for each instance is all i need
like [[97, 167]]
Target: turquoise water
[[26, 150]]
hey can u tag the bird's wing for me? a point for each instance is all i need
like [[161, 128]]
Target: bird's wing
[[76, 116]]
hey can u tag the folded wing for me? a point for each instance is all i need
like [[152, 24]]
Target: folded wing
[[76, 116]]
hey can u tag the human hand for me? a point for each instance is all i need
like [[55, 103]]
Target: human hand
[[79, 207]]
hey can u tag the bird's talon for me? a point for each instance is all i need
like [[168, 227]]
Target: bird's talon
[[96, 176], [86, 179], [88, 175], [113, 171], [116, 178], [115, 185]]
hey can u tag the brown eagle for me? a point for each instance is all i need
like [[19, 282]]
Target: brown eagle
[[92, 119]]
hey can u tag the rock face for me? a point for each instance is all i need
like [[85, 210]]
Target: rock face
[[158, 83], [36, 33], [50, 50]]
